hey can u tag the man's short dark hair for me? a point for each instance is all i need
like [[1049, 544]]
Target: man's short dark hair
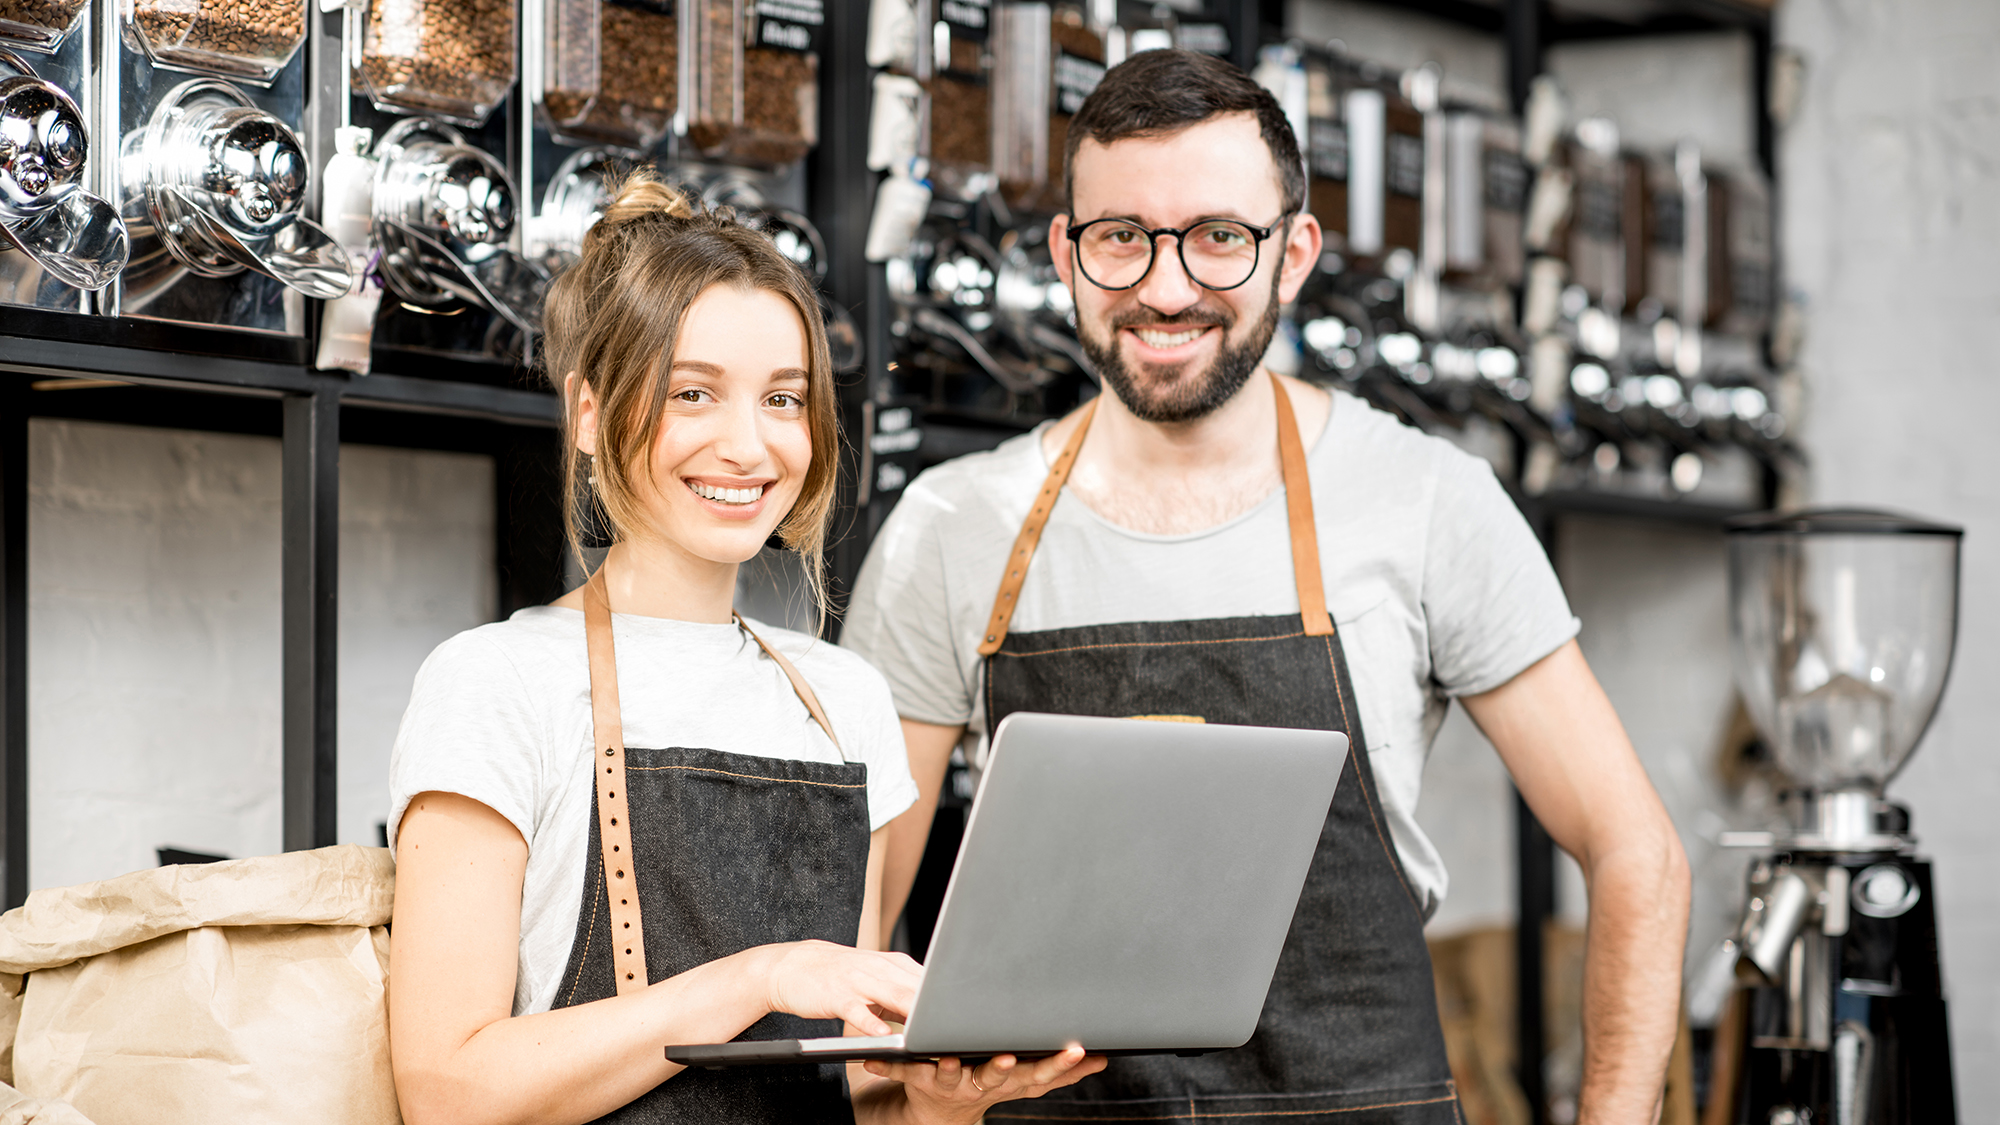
[[1156, 93]]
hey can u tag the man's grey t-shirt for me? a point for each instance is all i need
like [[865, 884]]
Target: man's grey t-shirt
[[1435, 582]]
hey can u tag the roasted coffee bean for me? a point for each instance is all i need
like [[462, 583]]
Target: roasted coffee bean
[[458, 59], [961, 123], [265, 30], [778, 118], [636, 91], [54, 15]]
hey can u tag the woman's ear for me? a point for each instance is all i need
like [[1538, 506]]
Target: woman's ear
[[577, 389]]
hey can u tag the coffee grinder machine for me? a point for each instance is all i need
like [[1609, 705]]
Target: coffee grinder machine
[[1844, 623]]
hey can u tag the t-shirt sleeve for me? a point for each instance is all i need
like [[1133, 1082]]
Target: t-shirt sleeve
[[1492, 601], [470, 729], [879, 738], [899, 618]]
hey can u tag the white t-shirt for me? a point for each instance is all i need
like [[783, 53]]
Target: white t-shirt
[[501, 714], [1435, 581]]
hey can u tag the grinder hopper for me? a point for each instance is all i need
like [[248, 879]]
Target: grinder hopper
[[1844, 624]]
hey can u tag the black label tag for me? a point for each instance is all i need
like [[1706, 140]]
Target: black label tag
[[969, 19], [1405, 166], [1207, 38], [1506, 181], [1598, 209], [1076, 77], [651, 7], [1668, 219], [789, 25], [1326, 141]]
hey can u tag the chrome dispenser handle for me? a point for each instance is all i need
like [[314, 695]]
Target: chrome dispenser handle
[[505, 282], [79, 239], [301, 254]]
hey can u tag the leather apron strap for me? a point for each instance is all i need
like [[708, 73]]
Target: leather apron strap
[[614, 826], [1298, 510]]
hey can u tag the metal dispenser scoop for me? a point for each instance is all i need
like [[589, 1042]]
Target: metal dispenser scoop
[[1844, 623], [44, 211], [224, 182], [444, 212]]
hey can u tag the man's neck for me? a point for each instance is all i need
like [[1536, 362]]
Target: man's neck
[[1180, 477]]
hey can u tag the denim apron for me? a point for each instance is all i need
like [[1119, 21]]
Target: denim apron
[[725, 851], [1349, 1032]]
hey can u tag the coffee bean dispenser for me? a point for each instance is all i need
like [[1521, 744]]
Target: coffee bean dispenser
[[445, 215], [452, 59], [249, 40], [573, 202], [213, 187], [56, 239], [608, 71], [749, 82], [39, 25]]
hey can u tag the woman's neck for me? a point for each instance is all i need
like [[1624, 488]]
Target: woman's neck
[[659, 579]]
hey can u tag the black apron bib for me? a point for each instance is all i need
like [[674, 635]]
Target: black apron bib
[[1349, 1032], [726, 851]]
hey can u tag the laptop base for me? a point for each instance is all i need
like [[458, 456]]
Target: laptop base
[[854, 1048]]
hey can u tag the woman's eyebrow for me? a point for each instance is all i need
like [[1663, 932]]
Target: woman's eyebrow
[[697, 366]]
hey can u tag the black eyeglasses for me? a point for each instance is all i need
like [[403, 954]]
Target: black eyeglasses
[[1218, 254]]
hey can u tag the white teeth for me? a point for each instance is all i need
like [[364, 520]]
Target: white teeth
[[1156, 339], [727, 495]]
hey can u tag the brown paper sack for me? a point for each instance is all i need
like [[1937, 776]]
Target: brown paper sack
[[250, 991]]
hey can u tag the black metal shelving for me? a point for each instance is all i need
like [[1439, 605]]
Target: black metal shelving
[[144, 372]]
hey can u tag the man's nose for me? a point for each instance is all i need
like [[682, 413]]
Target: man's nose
[[1167, 289]]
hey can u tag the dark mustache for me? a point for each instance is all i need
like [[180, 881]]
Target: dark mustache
[[1195, 315]]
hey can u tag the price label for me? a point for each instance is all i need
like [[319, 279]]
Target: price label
[[1405, 166], [788, 25], [1076, 77], [1506, 181], [1326, 143], [969, 19]]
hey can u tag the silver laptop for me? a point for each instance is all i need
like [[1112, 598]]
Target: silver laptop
[[1124, 884]]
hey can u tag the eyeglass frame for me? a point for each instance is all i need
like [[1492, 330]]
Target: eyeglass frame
[[1180, 248]]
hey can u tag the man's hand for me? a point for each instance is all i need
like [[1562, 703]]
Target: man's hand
[[946, 1092], [1577, 770]]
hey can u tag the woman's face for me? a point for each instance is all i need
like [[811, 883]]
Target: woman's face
[[734, 445]]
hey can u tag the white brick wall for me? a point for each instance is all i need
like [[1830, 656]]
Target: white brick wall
[[154, 633]]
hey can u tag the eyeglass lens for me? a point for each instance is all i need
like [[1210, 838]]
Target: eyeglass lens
[[1218, 254]]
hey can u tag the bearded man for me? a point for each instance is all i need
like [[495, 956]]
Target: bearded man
[[1210, 540]]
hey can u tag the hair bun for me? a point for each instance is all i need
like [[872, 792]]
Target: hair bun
[[643, 195]]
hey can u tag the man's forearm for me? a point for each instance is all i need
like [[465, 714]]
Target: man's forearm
[[1632, 980]]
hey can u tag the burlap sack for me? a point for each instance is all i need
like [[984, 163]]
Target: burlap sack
[[250, 991]]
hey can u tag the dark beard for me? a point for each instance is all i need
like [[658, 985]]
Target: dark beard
[[1205, 393]]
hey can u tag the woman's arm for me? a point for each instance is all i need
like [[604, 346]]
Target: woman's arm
[[461, 1057], [943, 1092]]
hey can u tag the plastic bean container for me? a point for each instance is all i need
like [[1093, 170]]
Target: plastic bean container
[[246, 40], [39, 24], [442, 58], [749, 83], [611, 71], [961, 103]]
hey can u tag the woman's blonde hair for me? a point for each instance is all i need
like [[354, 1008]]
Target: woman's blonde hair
[[614, 317]]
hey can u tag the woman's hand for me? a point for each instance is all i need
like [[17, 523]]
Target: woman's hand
[[949, 1093], [821, 980]]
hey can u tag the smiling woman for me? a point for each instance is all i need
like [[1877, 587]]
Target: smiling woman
[[741, 324], [633, 818]]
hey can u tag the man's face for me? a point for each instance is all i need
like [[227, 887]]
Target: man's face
[[1171, 350]]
